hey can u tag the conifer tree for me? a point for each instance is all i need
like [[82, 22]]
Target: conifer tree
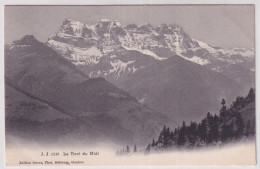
[[135, 148], [171, 136], [153, 143], [240, 124], [223, 102], [148, 148], [127, 149], [223, 109], [253, 127], [248, 127], [203, 130], [251, 96], [182, 134], [224, 133]]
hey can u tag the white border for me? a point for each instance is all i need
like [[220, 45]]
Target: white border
[[123, 2]]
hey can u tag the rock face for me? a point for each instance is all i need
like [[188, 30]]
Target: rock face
[[53, 96], [109, 41], [182, 90], [161, 66]]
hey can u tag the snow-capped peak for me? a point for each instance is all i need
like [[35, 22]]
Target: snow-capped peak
[[68, 20], [109, 40], [73, 27], [116, 23]]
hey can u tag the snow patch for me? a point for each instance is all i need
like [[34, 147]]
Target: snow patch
[[177, 44], [119, 66], [198, 60], [118, 24], [142, 100], [79, 56], [235, 51], [134, 69], [113, 56], [104, 20], [205, 46]]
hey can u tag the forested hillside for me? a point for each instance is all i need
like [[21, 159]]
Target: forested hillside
[[233, 123]]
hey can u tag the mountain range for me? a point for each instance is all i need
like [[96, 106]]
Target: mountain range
[[162, 66], [46, 95], [91, 44], [117, 83]]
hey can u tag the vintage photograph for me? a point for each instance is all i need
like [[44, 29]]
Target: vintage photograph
[[130, 85]]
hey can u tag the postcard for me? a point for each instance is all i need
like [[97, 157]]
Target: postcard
[[129, 85]]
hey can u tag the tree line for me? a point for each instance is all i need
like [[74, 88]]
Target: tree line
[[215, 129], [127, 150]]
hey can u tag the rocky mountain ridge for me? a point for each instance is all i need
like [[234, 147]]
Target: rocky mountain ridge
[[41, 83], [103, 46], [157, 64]]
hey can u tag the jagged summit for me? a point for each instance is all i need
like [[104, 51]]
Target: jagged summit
[[68, 20], [115, 22], [107, 41], [145, 27], [110, 22], [103, 26], [72, 27], [148, 25], [131, 26]]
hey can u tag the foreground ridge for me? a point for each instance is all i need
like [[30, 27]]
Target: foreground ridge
[[235, 123]]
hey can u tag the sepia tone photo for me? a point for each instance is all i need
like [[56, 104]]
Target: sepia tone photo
[[130, 85]]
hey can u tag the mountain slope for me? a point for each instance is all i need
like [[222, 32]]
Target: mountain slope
[[20, 105], [97, 108], [182, 90], [233, 124], [40, 71], [143, 60]]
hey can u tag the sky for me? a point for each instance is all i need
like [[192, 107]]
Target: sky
[[224, 26]]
